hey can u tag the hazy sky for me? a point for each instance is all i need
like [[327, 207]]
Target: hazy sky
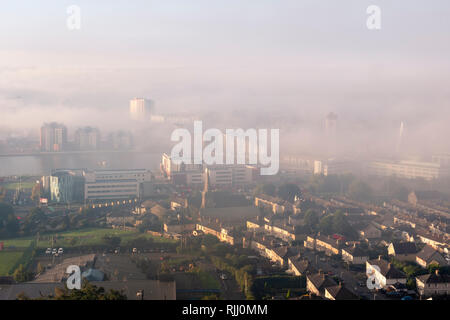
[[292, 61]]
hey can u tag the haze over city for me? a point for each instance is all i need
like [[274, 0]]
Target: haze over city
[[242, 151], [211, 59]]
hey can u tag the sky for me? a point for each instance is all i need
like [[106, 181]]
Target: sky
[[252, 63]]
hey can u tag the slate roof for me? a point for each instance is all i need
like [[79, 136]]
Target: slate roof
[[426, 254], [404, 247], [387, 269], [341, 293], [434, 278], [321, 281]]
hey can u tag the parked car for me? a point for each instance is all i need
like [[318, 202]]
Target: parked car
[[48, 251], [54, 251], [60, 251]]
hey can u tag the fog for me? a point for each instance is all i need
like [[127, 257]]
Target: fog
[[264, 64]]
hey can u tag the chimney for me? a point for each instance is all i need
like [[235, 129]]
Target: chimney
[[379, 257], [354, 245]]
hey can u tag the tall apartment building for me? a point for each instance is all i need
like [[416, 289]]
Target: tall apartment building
[[407, 169], [141, 109], [87, 138], [120, 140], [53, 137], [114, 184]]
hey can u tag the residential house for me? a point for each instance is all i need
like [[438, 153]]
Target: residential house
[[224, 234], [403, 251], [299, 266], [340, 292], [433, 284], [428, 255], [328, 245], [354, 255], [316, 283], [384, 273], [370, 232]]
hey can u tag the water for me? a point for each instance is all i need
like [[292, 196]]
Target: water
[[37, 165]]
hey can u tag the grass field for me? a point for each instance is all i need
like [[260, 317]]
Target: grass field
[[93, 236], [20, 243], [14, 185], [7, 260]]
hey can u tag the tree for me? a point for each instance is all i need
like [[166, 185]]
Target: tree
[[311, 220], [36, 192], [326, 224], [360, 191], [88, 292], [111, 241], [341, 225], [288, 191], [21, 275], [40, 268]]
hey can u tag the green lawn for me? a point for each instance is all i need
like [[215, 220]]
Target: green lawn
[[93, 236], [84, 237], [15, 185], [7, 260], [19, 243]]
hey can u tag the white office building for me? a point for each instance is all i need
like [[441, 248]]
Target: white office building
[[114, 184], [407, 169]]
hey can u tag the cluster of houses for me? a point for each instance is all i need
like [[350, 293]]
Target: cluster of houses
[[278, 237]]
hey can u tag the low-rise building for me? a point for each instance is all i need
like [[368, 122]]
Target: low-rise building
[[403, 251], [316, 283], [434, 284], [370, 232], [340, 292], [328, 245], [222, 233], [299, 266], [428, 255], [354, 255], [384, 273]]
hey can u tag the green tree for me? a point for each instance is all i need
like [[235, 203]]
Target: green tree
[[311, 220], [326, 224], [360, 191], [88, 291], [21, 274], [288, 191], [111, 241]]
